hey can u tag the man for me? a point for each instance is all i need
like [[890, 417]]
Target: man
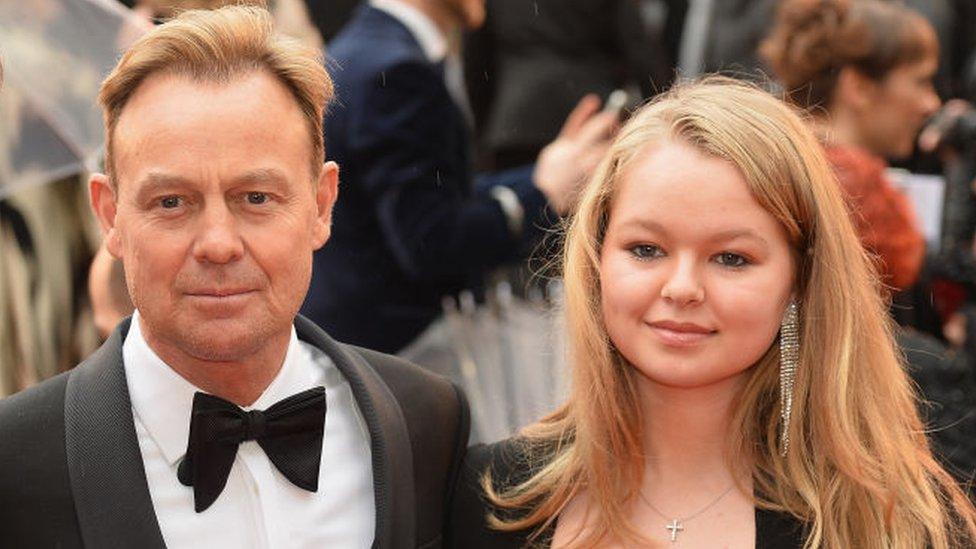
[[215, 417], [412, 227]]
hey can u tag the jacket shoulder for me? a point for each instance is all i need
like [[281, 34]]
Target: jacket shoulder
[[35, 494], [23, 414], [436, 415], [372, 41], [506, 463], [434, 394]]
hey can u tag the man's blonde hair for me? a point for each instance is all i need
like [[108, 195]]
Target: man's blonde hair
[[219, 46]]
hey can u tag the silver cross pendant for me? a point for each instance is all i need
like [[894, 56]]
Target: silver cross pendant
[[674, 527]]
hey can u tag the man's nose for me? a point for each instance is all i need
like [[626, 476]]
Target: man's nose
[[683, 286], [219, 239]]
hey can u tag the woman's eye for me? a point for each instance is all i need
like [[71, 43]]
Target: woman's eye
[[646, 251], [170, 202], [730, 259], [256, 198]]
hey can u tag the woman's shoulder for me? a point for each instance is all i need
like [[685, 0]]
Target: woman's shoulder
[[778, 530], [505, 463], [508, 460]]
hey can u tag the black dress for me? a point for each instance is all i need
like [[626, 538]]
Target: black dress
[[468, 529]]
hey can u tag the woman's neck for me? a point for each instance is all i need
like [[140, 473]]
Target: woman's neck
[[839, 128], [687, 431]]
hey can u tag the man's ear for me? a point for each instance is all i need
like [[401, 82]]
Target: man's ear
[[103, 201], [856, 89], [326, 193]]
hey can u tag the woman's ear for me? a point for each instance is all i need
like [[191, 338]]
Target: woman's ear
[[855, 90]]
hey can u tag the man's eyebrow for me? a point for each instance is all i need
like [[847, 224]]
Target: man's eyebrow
[[154, 181], [262, 175]]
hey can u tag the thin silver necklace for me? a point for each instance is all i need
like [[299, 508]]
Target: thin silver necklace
[[677, 524]]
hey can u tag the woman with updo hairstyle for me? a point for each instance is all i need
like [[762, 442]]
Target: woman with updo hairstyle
[[734, 378], [863, 69]]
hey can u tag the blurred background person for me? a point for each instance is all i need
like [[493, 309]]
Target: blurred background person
[[864, 72], [531, 62], [291, 17], [413, 225], [863, 69], [55, 53], [108, 291], [734, 376]]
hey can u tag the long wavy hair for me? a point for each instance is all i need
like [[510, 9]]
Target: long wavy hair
[[859, 471]]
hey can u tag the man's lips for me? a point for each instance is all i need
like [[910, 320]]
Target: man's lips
[[680, 334], [219, 292]]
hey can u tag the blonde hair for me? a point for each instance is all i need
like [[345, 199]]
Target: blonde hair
[[859, 471], [217, 46]]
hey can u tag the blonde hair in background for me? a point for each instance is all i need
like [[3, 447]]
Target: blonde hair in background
[[859, 470], [218, 46]]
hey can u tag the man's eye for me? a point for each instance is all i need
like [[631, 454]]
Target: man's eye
[[256, 198], [646, 251], [170, 202], [730, 259]]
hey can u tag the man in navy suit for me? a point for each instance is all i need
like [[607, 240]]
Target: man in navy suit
[[414, 223]]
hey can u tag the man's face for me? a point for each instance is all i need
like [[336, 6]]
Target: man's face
[[215, 214]]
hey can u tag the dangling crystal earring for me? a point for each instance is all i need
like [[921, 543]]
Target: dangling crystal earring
[[789, 355]]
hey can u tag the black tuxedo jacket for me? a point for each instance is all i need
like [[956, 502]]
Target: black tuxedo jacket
[[71, 473]]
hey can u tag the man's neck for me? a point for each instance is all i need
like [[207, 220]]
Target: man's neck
[[446, 21], [239, 381]]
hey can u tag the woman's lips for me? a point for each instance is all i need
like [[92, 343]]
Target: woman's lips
[[681, 334]]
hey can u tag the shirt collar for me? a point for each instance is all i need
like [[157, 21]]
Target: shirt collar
[[163, 400], [423, 29]]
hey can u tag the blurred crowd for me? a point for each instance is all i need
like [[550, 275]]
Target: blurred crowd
[[455, 177]]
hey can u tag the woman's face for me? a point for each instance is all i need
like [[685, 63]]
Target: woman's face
[[896, 108], [695, 275]]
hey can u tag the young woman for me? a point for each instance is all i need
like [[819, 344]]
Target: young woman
[[863, 69], [735, 382]]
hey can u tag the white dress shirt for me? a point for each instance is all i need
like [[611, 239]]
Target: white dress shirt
[[258, 507]]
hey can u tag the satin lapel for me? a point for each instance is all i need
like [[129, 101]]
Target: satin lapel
[[104, 462], [390, 442]]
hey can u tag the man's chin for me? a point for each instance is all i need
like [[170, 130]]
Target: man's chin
[[221, 349], [222, 343]]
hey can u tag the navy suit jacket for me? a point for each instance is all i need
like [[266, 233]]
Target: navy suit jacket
[[411, 224]]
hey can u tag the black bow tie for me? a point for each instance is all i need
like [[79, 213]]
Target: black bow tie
[[290, 433]]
